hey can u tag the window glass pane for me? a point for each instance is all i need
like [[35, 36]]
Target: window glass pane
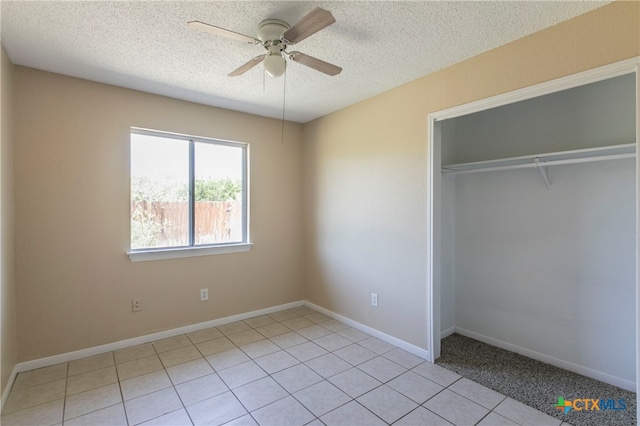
[[159, 192], [218, 193]]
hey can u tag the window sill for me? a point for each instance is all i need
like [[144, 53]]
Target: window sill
[[177, 253]]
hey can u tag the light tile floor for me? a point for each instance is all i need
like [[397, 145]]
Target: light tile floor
[[293, 367]]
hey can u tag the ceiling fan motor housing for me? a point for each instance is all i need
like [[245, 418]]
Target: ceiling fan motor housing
[[271, 30]]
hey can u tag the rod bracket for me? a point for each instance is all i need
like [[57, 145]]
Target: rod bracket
[[544, 170]]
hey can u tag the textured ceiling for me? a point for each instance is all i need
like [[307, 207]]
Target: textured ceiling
[[146, 45]]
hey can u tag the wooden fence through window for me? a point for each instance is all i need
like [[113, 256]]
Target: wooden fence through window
[[215, 221]]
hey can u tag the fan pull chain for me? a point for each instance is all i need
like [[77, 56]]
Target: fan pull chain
[[284, 97]]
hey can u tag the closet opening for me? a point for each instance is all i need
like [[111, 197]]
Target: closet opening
[[533, 217]]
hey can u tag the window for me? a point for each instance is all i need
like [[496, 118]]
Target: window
[[187, 193]]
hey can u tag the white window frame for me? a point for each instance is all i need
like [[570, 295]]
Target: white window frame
[[192, 250]]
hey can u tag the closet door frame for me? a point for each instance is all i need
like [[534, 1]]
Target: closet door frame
[[433, 274]]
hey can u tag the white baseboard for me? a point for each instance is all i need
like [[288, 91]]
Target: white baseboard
[[448, 332], [7, 388], [70, 356], [422, 353], [603, 377]]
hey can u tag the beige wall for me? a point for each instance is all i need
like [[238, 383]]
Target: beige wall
[[75, 282], [8, 347], [365, 168]]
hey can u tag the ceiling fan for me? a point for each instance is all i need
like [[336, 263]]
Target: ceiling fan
[[275, 35]]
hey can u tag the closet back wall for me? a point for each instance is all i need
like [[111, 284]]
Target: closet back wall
[[548, 270]]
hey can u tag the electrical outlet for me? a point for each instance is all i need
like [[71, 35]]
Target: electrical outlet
[[374, 299], [136, 305], [204, 294]]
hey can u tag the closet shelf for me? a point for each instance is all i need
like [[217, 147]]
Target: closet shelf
[[542, 161]]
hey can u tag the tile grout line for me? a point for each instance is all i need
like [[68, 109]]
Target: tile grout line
[[184, 407], [124, 408], [64, 402], [173, 385]]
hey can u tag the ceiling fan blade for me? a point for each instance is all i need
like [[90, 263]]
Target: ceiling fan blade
[[246, 67], [315, 63], [222, 32], [310, 24]]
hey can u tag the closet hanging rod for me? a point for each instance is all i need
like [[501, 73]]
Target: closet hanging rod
[[613, 152], [540, 163]]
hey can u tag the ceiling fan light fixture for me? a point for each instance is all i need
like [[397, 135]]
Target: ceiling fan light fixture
[[275, 64]]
